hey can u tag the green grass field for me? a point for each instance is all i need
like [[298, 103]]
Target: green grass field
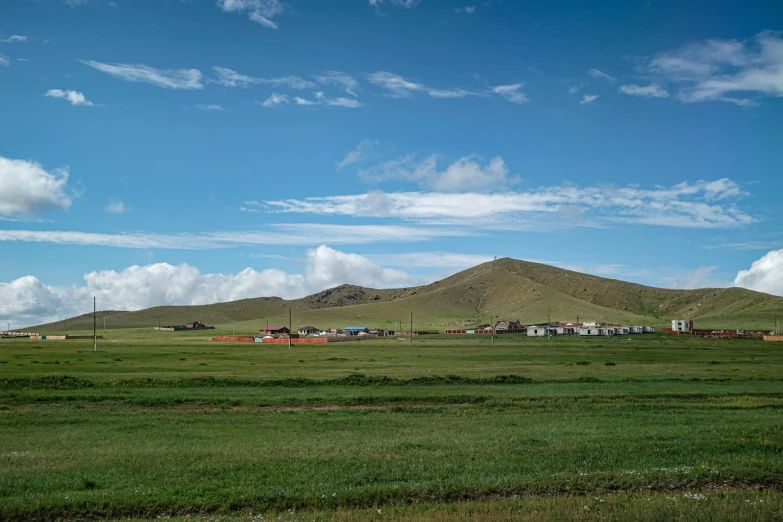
[[176, 425]]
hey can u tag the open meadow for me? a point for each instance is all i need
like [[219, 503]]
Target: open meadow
[[174, 424]]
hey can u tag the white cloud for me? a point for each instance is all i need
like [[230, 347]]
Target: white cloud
[[764, 275], [399, 87], [26, 300], [259, 11], [588, 98], [511, 92], [116, 207], [359, 154], [297, 234], [187, 79], [276, 100], [74, 97], [468, 9], [701, 277], [595, 73], [576, 88], [303, 101], [230, 78], [719, 70], [211, 108], [649, 91], [27, 189], [4, 60], [14, 38], [348, 103], [464, 174], [398, 3], [702, 204], [344, 81]]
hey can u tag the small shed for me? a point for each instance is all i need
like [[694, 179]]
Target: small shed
[[194, 324], [536, 331]]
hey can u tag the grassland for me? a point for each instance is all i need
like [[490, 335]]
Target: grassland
[[174, 424]]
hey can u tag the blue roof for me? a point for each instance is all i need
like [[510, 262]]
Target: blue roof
[[355, 327]]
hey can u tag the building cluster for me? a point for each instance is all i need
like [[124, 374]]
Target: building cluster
[[588, 329], [312, 331], [193, 325]]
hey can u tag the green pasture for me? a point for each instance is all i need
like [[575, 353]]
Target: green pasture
[[174, 424]]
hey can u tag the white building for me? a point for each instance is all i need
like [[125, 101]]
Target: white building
[[589, 330], [637, 329], [648, 329], [536, 331], [606, 331], [622, 330], [681, 325], [568, 329]]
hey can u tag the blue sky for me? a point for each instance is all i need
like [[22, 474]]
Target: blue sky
[[181, 152]]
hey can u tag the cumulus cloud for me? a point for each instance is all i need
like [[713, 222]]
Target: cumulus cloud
[[588, 98], [27, 300], [764, 275], [648, 91], [464, 174], [512, 93], [26, 188], [276, 100], [187, 79], [359, 154], [4, 60], [259, 11], [724, 70], [703, 204], [74, 97], [399, 87]]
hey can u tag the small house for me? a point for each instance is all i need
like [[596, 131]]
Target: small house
[[622, 330], [275, 330], [589, 331], [682, 325], [637, 329], [308, 330], [501, 327], [193, 325], [648, 329]]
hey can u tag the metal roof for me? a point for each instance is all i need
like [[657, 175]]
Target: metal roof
[[355, 327]]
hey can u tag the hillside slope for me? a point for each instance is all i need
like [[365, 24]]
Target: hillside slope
[[530, 292]]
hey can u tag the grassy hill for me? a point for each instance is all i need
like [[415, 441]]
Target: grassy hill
[[508, 288]]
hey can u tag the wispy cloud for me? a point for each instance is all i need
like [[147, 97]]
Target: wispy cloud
[[573, 89], [359, 154], [431, 259], [588, 98], [724, 70], [211, 108], [4, 60], [703, 204], [397, 3], [187, 79], [259, 11], [15, 38], [468, 9], [399, 87], [342, 80], [648, 91], [464, 174], [116, 207], [512, 92], [297, 234], [276, 100], [230, 78], [74, 97], [596, 73]]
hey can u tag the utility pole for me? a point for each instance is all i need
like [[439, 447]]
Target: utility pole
[[289, 328], [232, 327], [94, 333], [66, 324], [410, 334], [548, 323], [492, 324]]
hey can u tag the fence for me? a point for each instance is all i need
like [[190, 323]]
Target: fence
[[233, 339], [773, 338], [302, 340]]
